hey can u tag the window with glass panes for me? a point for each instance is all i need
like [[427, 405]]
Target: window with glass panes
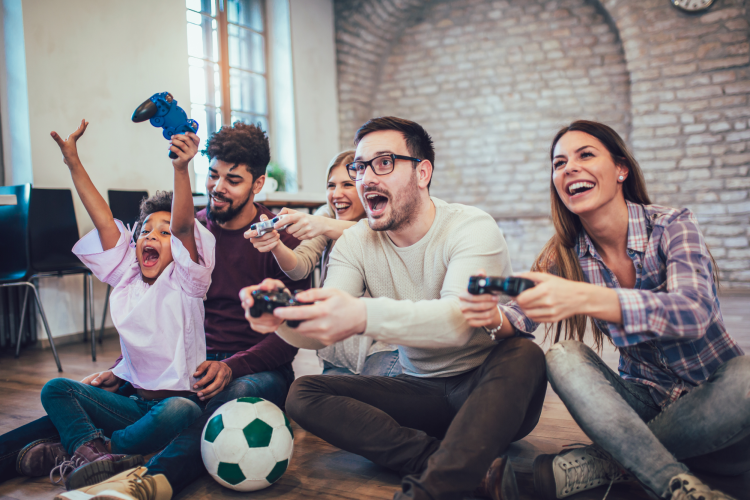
[[227, 58]]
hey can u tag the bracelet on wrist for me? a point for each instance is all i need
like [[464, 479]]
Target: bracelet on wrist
[[492, 332]]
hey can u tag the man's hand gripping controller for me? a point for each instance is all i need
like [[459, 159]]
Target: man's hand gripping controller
[[265, 302]]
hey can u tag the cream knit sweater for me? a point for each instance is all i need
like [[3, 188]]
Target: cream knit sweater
[[414, 290]]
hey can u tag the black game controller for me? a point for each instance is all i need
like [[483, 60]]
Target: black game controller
[[265, 302], [512, 285]]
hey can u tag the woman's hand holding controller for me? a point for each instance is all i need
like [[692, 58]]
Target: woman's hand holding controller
[[302, 226]]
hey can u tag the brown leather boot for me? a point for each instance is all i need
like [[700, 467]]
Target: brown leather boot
[[91, 463], [40, 457], [500, 481]]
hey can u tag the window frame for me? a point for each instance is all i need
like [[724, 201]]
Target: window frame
[[222, 21]]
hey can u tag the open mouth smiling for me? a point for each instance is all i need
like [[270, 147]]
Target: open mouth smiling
[[150, 256], [341, 206], [580, 187], [376, 203], [218, 202]]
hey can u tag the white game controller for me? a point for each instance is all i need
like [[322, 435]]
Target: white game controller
[[266, 226]]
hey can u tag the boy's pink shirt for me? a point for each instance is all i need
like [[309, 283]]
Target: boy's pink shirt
[[161, 325]]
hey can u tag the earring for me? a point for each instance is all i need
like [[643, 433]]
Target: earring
[[621, 177]]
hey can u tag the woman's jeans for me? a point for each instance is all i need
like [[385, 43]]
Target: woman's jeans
[[82, 413], [707, 429], [380, 364]]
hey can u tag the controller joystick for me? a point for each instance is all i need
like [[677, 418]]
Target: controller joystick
[[161, 110], [512, 285], [266, 302]]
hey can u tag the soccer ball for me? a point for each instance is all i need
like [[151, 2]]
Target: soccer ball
[[247, 444]]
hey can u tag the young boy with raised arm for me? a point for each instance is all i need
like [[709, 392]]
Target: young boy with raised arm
[[159, 279]]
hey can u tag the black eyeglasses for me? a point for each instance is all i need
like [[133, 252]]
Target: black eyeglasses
[[381, 165]]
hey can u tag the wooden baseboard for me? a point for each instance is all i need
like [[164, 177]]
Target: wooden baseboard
[[43, 341]]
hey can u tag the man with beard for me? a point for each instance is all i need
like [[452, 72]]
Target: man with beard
[[240, 362], [464, 396]]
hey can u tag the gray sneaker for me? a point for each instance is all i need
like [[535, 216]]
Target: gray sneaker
[[575, 470], [689, 487]]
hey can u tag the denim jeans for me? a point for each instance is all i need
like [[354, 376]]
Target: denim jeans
[[82, 413], [707, 429], [380, 364], [181, 460], [14, 441]]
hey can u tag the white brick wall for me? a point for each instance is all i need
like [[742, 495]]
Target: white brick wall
[[493, 80]]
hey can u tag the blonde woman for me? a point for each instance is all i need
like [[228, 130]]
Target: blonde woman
[[644, 278], [358, 355]]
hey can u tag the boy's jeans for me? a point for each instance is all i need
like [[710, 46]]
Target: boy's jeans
[[82, 413], [707, 429], [181, 460]]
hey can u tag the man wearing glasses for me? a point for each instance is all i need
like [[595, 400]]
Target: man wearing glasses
[[463, 398]]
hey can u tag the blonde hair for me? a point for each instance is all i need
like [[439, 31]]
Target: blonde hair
[[343, 158]]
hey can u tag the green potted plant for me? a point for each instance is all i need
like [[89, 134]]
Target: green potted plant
[[275, 172]]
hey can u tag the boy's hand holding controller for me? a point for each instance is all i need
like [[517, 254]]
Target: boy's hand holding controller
[[185, 146]]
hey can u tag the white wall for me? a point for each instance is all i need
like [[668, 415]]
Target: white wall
[[99, 60], [315, 92], [282, 134]]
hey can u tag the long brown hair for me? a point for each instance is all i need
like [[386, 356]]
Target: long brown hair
[[559, 256]]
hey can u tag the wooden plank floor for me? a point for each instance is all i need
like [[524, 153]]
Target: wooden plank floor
[[318, 469]]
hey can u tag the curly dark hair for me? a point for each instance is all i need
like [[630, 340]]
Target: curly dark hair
[[241, 144], [160, 202]]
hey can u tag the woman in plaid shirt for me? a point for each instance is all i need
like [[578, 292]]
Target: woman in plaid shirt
[[644, 277]]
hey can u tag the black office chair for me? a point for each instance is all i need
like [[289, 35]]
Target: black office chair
[[15, 264], [53, 231], [125, 206]]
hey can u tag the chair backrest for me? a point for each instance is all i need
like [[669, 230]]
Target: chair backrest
[[126, 205], [14, 226], [53, 230]]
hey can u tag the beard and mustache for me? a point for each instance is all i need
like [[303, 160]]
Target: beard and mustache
[[229, 213], [402, 213]]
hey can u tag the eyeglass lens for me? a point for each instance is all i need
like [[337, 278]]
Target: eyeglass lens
[[381, 165]]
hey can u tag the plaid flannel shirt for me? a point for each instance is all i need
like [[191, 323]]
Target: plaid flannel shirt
[[672, 336]]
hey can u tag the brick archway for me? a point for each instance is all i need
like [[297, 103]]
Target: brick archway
[[686, 107]]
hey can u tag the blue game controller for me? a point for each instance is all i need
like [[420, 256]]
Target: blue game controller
[[162, 110]]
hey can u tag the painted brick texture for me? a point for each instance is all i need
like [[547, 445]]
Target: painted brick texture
[[493, 81]]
